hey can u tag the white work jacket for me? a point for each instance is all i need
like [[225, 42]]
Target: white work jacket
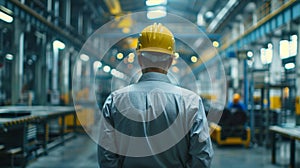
[[154, 124]]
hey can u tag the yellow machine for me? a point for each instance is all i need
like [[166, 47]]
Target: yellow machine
[[216, 136], [231, 129]]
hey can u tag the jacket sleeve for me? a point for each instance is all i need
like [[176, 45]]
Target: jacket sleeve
[[200, 147], [106, 158]]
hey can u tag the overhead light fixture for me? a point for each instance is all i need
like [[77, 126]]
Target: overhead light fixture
[[130, 60], [209, 14], [5, 14], [250, 63], [131, 55], [84, 57], [249, 54], [97, 65], [106, 68], [117, 73], [290, 65], [174, 62], [200, 20], [216, 44], [120, 55], [156, 2], [284, 46], [194, 59], [58, 44], [266, 54], [157, 12], [5, 17], [175, 69], [9, 57], [176, 55], [126, 30]]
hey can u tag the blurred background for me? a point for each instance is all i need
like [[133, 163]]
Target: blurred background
[[60, 59]]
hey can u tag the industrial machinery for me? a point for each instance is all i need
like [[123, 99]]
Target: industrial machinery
[[27, 134], [231, 129]]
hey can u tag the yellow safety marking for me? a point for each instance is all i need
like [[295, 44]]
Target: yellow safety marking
[[275, 102], [298, 105]]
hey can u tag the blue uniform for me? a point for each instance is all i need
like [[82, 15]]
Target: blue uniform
[[237, 106], [168, 125]]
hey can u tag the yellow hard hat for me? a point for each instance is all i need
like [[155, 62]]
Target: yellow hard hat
[[156, 38]]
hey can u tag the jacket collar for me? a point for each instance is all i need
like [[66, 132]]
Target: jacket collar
[[154, 76]]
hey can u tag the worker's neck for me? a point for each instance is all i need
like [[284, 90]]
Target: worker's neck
[[152, 69]]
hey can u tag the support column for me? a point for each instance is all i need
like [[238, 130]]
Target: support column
[[55, 91], [275, 76], [235, 73], [56, 12], [18, 62], [246, 84], [65, 76], [49, 9], [42, 73], [68, 12], [80, 22], [49, 64], [298, 81]]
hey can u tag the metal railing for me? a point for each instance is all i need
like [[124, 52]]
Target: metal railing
[[265, 10]]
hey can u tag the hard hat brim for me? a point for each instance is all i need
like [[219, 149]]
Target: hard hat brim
[[156, 49]]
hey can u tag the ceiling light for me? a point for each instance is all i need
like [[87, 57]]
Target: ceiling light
[[130, 60], [58, 44], [174, 62], [156, 2], [176, 55], [284, 49], [5, 17], [155, 13], [216, 44], [200, 20], [97, 65], [84, 57], [209, 14], [270, 46], [9, 57], [194, 59], [120, 55], [131, 55], [250, 54], [126, 30], [117, 73], [250, 63], [290, 65], [113, 71], [106, 68], [175, 69]]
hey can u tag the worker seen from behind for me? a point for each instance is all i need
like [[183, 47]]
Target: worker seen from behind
[[154, 123], [236, 103]]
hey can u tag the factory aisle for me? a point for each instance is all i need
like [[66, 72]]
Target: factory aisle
[[81, 153]]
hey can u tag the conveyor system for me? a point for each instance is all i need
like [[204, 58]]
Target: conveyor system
[[25, 132]]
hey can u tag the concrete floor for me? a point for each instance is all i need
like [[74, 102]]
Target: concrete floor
[[81, 153]]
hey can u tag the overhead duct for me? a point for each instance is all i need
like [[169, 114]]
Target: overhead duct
[[113, 6]]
